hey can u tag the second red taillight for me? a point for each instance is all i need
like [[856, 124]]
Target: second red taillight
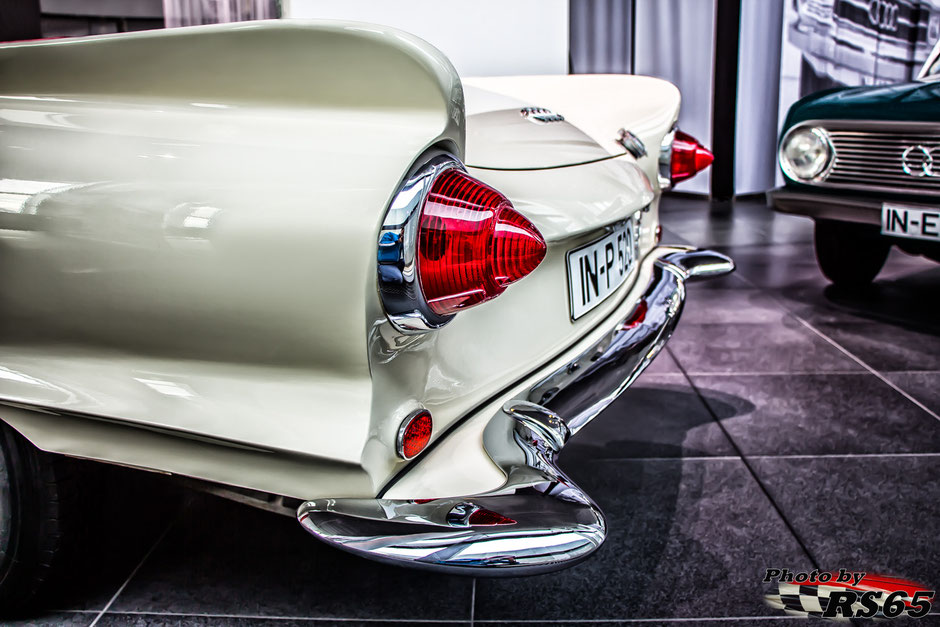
[[471, 243], [689, 157]]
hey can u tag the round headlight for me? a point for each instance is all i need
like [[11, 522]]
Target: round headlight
[[805, 153]]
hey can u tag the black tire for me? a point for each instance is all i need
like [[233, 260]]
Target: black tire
[[38, 516], [850, 255]]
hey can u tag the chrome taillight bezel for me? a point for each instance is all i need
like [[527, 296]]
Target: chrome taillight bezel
[[664, 174], [399, 287]]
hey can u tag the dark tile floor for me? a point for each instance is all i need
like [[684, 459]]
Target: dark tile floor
[[788, 425]]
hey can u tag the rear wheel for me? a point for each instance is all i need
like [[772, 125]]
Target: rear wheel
[[37, 507], [850, 255]]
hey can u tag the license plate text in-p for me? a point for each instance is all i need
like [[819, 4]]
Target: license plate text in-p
[[596, 270]]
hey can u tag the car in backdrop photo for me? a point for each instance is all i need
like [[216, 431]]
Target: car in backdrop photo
[[307, 266], [864, 163], [861, 42]]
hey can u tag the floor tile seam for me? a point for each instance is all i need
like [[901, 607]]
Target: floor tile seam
[[837, 346], [133, 572], [865, 365], [753, 472]]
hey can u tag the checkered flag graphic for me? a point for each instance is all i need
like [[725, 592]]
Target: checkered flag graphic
[[806, 600], [813, 599]]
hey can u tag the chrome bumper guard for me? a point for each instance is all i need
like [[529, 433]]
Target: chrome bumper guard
[[538, 520]]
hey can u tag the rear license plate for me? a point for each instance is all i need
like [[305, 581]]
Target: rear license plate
[[912, 222], [596, 270]]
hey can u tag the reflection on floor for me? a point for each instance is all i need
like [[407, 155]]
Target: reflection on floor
[[787, 426]]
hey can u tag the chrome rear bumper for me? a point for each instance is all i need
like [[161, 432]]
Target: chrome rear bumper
[[538, 520]]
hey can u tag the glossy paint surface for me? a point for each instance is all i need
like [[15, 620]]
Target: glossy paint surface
[[598, 105], [505, 140], [204, 253], [486, 348], [192, 253], [457, 466], [911, 102], [537, 520]]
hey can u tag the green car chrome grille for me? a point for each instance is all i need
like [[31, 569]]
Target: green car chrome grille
[[886, 160]]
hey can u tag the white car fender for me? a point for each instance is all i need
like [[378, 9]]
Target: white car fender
[[206, 198]]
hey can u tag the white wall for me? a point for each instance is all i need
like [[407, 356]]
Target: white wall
[[674, 41], [755, 162], [481, 37]]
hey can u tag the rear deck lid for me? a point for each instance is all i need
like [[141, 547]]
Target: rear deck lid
[[507, 134]]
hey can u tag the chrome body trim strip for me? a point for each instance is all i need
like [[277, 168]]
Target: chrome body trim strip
[[397, 261], [552, 522], [664, 163], [586, 386]]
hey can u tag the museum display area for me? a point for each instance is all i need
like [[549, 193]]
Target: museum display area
[[507, 312]]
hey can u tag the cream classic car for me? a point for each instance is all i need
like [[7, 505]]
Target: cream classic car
[[306, 265]]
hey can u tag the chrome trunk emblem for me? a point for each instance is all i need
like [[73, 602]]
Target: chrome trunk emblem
[[538, 115]]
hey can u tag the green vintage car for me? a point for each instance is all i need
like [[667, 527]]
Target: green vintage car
[[864, 163]]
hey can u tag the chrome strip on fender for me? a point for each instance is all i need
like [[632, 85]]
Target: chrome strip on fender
[[397, 264], [553, 523], [538, 520]]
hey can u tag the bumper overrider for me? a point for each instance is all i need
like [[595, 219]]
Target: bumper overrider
[[539, 520]]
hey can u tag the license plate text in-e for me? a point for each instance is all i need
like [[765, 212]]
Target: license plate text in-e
[[596, 271], [913, 222]]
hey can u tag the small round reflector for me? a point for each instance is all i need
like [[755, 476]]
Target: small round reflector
[[414, 434]]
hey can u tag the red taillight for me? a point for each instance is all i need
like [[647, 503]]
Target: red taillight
[[689, 157], [471, 243], [482, 517], [414, 435]]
